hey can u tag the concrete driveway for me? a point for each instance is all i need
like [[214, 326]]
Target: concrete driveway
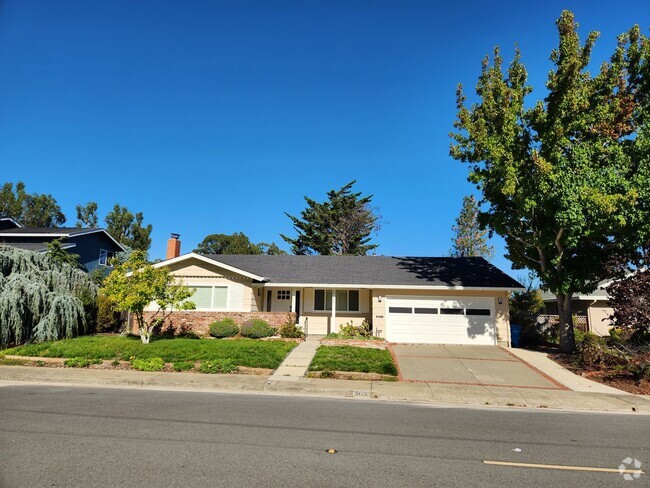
[[468, 365]]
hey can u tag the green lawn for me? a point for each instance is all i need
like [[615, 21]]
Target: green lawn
[[357, 359], [241, 352]]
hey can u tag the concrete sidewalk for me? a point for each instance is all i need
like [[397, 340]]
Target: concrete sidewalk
[[541, 361], [296, 363], [465, 395]]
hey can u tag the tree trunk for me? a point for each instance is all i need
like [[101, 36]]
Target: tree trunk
[[567, 338], [145, 337]]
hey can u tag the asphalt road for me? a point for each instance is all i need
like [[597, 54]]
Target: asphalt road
[[68, 437]]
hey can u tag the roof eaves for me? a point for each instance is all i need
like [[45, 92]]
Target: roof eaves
[[13, 221], [93, 231], [193, 255]]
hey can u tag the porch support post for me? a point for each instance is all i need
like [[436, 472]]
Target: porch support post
[[333, 325], [293, 299]]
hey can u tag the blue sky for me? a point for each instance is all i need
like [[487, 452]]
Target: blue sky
[[217, 117]]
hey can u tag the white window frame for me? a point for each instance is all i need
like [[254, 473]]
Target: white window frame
[[213, 286], [283, 295], [327, 302], [107, 255]]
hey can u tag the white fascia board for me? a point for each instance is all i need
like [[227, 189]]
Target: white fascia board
[[28, 234], [213, 262], [580, 297], [69, 235], [388, 287], [13, 221]]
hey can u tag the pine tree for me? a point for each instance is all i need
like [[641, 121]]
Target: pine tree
[[470, 239], [341, 225]]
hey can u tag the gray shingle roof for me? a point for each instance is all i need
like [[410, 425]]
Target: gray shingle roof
[[46, 230], [33, 246], [372, 270]]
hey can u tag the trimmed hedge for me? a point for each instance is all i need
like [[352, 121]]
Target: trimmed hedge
[[224, 328], [256, 329]]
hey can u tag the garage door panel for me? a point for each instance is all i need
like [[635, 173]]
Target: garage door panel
[[441, 320]]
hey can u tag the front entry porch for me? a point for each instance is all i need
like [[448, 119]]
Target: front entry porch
[[320, 311]]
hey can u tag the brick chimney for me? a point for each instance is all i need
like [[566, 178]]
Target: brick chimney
[[173, 247]]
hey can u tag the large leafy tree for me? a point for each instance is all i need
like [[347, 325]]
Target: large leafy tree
[[128, 229], [30, 209], [566, 180], [343, 224], [469, 238], [87, 215], [237, 243], [12, 200], [135, 284]]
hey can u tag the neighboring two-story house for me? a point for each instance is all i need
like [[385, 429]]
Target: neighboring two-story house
[[95, 247]]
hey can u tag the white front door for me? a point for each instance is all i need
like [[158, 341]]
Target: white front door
[[441, 320]]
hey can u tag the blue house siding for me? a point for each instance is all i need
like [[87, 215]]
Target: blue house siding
[[88, 247]]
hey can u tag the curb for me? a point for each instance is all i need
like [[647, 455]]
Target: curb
[[305, 387]]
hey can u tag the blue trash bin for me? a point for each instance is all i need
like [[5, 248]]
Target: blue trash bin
[[515, 332]]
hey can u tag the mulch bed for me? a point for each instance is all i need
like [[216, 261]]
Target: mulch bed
[[349, 375], [123, 365], [621, 380], [370, 344]]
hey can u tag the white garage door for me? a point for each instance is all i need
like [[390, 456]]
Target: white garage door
[[440, 320]]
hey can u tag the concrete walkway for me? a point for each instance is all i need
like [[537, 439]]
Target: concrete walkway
[[296, 363], [421, 393], [572, 381], [468, 365]]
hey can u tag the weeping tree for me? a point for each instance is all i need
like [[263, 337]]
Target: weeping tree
[[136, 284], [42, 299]]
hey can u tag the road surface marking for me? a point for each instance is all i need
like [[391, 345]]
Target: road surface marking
[[566, 468]]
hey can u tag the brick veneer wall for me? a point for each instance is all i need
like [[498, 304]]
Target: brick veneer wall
[[199, 322]]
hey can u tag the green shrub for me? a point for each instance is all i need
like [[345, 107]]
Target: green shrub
[[256, 329], [183, 366], [224, 328], [580, 336], [108, 317], [79, 362], [290, 330], [592, 349], [217, 366], [351, 330], [149, 364], [639, 368], [190, 334]]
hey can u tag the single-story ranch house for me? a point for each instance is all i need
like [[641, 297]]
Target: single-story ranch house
[[593, 308], [406, 299]]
